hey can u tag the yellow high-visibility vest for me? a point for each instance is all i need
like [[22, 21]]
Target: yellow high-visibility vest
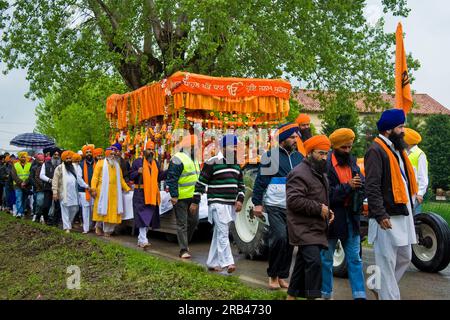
[[22, 172], [189, 176]]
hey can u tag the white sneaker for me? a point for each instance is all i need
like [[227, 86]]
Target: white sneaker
[[34, 218], [42, 219]]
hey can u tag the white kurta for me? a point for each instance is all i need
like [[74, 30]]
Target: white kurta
[[220, 254], [71, 190], [392, 247]]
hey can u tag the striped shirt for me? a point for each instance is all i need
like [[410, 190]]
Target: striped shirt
[[223, 183]]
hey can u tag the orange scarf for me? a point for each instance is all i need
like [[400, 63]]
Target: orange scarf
[[398, 187], [344, 174], [151, 190], [300, 146], [86, 176]]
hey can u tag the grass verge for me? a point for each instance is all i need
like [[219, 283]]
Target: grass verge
[[34, 260], [441, 208]]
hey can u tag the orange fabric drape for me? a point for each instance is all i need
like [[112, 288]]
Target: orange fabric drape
[[257, 96], [398, 188], [273, 107], [228, 87], [151, 190], [86, 176], [403, 97]]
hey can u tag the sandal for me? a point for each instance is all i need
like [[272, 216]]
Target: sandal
[[185, 255], [231, 268]]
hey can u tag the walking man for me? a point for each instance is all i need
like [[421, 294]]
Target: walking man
[[65, 189], [223, 178], [86, 200], [269, 194], [46, 175], [391, 187], [106, 186], [346, 200], [146, 196], [182, 176], [21, 174], [308, 218]]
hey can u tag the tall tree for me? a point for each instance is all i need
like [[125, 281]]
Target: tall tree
[[328, 45]]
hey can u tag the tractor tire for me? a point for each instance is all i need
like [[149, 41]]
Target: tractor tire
[[247, 232], [340, 268], [432, 253]]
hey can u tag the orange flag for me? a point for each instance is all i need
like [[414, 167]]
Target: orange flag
[[403, 97]]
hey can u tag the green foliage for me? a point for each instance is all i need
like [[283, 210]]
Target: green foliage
[[61, 42], [65, 44], [339, 112], [435, 144], [79, 118]]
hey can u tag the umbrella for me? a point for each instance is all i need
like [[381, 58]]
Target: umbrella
[[32, 140]]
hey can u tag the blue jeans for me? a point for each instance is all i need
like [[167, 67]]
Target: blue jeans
[[20, 202], [351, 248]]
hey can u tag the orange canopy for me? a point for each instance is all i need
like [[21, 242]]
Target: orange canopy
[[198, 92]]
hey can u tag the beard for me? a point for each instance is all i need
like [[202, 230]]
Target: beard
[[69, 167], [89, 158], [56, 162], [398, 141], [148, 156], [343, 158], [318, 165], [306, 134], [289, 147]]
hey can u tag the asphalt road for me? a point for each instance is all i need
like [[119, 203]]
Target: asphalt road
[[415, 285]]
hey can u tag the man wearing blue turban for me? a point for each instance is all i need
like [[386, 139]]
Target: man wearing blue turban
[[391, 188]]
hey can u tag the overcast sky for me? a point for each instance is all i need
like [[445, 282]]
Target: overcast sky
[[427, 30]]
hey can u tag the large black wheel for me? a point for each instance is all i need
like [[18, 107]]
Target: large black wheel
[[432, 253], [249, 235], [340, 269]]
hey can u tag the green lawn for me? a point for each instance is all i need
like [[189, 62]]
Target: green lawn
[[441, 208], [34, 260]]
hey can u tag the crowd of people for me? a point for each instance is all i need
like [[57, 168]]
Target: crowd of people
[[310, 187]]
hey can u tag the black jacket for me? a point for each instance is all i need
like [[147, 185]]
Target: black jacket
[[379, 186], [338, 195]]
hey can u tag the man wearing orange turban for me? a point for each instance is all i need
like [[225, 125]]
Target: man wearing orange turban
[[87, 148], [66, 180], [107, 187], [304, 124], [76, 158], [308, 217], [146, 175], [86, 200], [98, 154], [182, 175], [419, 162], [347, 191]]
